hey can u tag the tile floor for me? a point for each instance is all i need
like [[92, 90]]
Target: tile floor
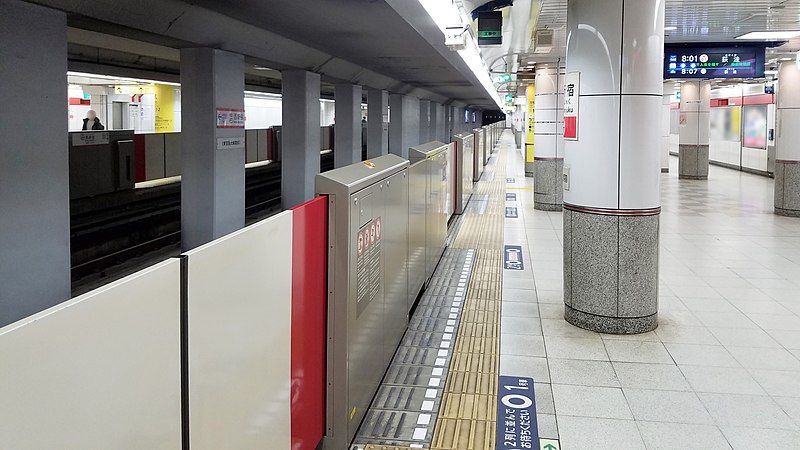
[[723, 368]]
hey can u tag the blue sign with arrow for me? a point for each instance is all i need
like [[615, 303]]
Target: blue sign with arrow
[[516, 414]]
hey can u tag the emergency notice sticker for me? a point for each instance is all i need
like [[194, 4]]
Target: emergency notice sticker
[[230, 118], [368, 264], [516, 414]]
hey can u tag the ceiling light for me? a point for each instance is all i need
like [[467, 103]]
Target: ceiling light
[[785, 59], [770, 72], [670, 28], [769, 35]]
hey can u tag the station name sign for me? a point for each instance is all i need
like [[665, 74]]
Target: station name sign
[[714, 61]]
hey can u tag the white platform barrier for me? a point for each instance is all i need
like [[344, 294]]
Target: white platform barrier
[[239, 329], [101, 371]]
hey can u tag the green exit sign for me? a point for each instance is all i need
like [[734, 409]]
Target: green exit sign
[[509, 98], [504, 78]]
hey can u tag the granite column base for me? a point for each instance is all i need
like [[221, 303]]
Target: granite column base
[[548, 184], [787, 188], [693, 162], [611, 269]]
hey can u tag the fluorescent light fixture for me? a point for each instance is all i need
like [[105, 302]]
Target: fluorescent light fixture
[[120, 79], [671, 28], [770, 72], [785, 59], [446, 14], [769, 35]]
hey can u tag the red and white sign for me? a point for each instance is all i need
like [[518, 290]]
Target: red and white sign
[[572, 90], [368, 236], [230, 118]]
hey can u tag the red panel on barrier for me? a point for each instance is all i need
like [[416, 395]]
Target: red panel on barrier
[[309, 318], [140, 173]]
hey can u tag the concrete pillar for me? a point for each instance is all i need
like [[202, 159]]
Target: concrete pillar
[[404, 127], [300, 136], [787, 144], [666, 98], [377, 123], [34, 164], [433, 134], [347, 129], [611, 196], [693, 128], [548, 129], [424, 121], [212, 171]]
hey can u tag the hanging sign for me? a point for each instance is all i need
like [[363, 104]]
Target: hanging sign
[[230, 118], [572, 89]]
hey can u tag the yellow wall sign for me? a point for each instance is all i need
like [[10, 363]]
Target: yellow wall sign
[[165, 107], [529, 148]]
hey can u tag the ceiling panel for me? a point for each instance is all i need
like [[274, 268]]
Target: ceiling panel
[[695, 20]]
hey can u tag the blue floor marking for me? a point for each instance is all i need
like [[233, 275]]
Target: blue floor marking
[[516, 414]]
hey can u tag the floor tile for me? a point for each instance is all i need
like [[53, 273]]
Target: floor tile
[[633, 351], [544, 398], [560, 327], [582, 372], [753, 411], [765, 358], [548, 429], [589, 433], [575, 348], [743, 337], [701, 355], [672, 436], [518, 295], [754, 438], [778, 382], [525, 366], [722, 380], [521, 325], [521, 344], [590, 401], [791, 406], [650, 376], [666, 406], [520, 309], [685, 335]]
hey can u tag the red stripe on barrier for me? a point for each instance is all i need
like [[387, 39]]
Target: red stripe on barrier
[[139, 158], [309, 317]]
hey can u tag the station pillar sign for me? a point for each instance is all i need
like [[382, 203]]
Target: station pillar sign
[[572, 89]]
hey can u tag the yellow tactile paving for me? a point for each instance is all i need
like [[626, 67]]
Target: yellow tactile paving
[[466, 420]]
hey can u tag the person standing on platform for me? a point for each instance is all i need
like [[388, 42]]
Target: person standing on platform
[[92, 122]]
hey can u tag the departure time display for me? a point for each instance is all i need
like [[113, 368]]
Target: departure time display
[[713, 62]]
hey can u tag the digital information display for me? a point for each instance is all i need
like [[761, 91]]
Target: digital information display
[[713, 62]]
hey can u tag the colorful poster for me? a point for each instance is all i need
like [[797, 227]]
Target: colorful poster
[[164, 108], [530, 93], [754, 133]]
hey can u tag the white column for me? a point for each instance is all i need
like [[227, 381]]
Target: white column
[[300, 136], [548, 163], [612, 199], [377, 123], [787, 143], [212, 173], [693, 128], [347, 129], [34, 162], [669, 87]]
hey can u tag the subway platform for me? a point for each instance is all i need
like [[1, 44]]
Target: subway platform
[[720, 371]]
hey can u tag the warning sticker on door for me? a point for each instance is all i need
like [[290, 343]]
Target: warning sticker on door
[[368, 263]]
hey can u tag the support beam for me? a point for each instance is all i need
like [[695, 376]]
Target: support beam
[[212, 152], [694, 127], [377, 123], [424, 121], [612, 200], [300, 136], [347, 128], [787, 145], [34, 164], [404, 127]]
